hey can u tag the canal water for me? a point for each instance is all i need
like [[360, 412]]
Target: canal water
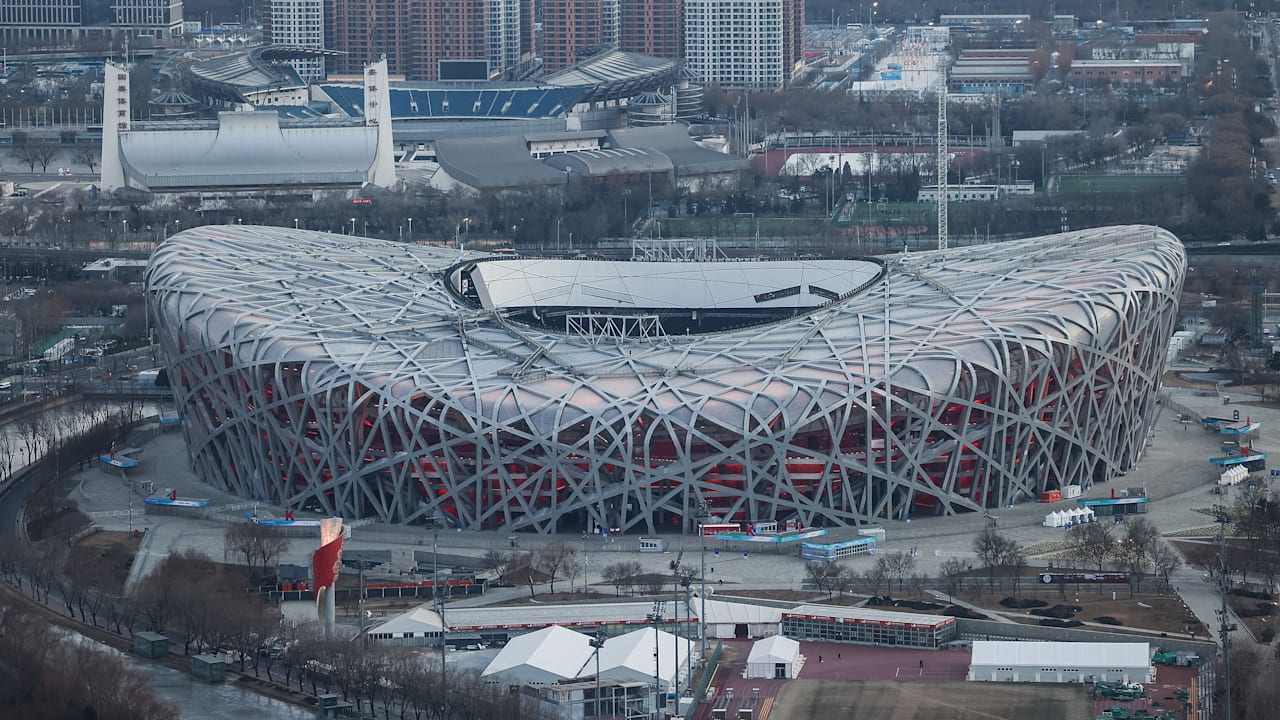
[[198, 700]]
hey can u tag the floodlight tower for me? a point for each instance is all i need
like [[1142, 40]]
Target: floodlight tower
[[943, 158]]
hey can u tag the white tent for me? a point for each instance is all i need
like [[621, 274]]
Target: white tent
[[419, 626], [630, 657], [544, 657], [1053, 520], [774, 657]]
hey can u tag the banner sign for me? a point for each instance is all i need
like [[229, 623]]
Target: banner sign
[[1084, 578]]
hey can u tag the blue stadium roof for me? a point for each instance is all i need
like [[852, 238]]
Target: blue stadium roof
[[519, 103]]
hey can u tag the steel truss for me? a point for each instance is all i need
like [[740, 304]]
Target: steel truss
[[312, 368]]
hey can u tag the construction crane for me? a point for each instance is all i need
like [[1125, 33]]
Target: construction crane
[[943, 158]]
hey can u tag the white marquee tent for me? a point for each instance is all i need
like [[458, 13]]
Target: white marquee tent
[[774, 657], [544, 657], [630, 657], [1069, 516]]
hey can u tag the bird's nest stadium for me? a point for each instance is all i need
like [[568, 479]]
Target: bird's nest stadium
[[406, 383]]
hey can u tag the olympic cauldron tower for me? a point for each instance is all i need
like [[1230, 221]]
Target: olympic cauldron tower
[[400, 382]]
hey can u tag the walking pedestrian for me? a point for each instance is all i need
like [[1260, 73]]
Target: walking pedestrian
[[922, 664], [837, 656], [819, 659]]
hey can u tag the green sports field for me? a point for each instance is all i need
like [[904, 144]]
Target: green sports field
[[1117, 183]]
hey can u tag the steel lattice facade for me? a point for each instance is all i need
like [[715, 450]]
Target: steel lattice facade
[[344, 371]]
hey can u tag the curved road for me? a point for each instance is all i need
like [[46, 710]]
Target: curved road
[[195, 700]]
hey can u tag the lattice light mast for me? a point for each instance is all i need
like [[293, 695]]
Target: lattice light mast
[[942, 159]]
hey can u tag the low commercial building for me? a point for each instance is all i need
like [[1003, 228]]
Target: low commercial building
[[1123, 72], [831, 623], [632, 155], [1060, 662], [977, 193]]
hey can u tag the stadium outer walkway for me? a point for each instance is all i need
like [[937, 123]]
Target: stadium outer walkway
[[1174, 470]]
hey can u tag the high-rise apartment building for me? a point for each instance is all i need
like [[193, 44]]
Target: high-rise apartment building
[[297, 23], [576, 29], [743, 44], [416, 35], [504, 33], [652, 27], [36, 22], [365, 30]]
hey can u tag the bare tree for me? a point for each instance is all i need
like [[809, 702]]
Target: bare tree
[[952, 573], [896, 566], [87, 157], [1092, 543], [260, 546], [522, 568], [27, 154], [993, 549], [45, 153], [819, 574], [622, 575], [1165, 561], [552, 559]]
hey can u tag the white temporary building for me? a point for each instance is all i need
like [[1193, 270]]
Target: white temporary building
[[774, 657], [544, 657], [1059, 662], [630, 657], [419, 626], [729, 620]]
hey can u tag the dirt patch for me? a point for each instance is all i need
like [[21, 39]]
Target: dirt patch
[[1163, 613], [108, 555], [1174, 379], [805, 699], [1248, 610], [61, 524]]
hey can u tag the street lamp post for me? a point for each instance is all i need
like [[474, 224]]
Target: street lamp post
[[410, 229], [353, 226], [597, 642], [295, 223], [439, 600], [702, 515], [675, 597], [655, 617]]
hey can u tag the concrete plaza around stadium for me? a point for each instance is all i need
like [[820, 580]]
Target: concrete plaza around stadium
[[1174, 470]]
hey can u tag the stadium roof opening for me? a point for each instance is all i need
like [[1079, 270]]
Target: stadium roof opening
[[724, 293]]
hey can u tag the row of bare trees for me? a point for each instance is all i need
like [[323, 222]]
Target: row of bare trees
[[391, 681], [1136, 548], [204, 606], [47, 674], [890, 571], [531, 568]]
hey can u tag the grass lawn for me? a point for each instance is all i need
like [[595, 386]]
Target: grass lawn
[[1117, 183]]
